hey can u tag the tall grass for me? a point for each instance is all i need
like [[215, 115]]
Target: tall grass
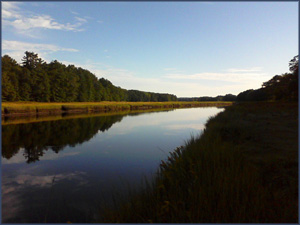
[[10, 108], [212, 180]]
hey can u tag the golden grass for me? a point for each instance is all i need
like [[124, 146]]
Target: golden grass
[[36, 107], [35, 119]]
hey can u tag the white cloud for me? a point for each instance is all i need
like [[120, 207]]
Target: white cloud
[[9, 5], [14, 17], [73, 12], [237, 76], [218, 83], [22, 24], [18, 45], [16, 49], [9, 10], [254, 69], [80, 19]]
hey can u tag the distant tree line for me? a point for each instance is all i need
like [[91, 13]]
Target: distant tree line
[[280, 88], [228, 97], [36, 80]]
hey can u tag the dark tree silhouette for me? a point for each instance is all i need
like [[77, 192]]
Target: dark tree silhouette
[[280, 88], [294, 65]]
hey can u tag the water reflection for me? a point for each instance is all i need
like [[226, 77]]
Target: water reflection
[[37, 187], [63, 170], [36, 138]]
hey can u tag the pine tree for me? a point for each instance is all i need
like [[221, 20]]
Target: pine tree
[[10, 82]]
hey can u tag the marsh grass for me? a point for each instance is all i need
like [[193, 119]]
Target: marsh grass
[[237, 171], [8, 108], [43, 118]]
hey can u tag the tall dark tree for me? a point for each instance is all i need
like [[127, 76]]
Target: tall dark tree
[[10, 83], [31, 60], [40, 86], [294, 65]]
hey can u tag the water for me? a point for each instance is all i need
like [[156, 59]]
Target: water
[[64, 170]]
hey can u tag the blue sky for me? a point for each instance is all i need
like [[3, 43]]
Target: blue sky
[[185, 48]]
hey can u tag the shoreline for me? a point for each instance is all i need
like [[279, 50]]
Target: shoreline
[[24, 109], [242, 169], [12, 120]]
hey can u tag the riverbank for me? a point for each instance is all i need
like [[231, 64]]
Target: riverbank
[[43, 118], [242, 169], [55, 108]]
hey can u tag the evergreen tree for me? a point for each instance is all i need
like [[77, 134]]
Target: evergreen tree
[[25, 88], [10, 82], [40, 86]]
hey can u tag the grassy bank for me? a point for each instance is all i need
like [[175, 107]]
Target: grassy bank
[[42, 118], [42, 108], [244, 168]]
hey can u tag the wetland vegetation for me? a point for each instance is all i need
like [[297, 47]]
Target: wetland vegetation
[[42, 108], [243, 168]]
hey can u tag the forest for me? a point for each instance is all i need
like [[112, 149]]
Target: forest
[[36, 80]]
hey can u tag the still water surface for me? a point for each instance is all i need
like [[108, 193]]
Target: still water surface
[[64, 170]]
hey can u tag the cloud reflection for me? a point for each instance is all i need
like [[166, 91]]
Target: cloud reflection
[[15, 188], [174, 120], [194, 126]]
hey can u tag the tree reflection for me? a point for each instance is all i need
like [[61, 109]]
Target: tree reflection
[[36, 138]]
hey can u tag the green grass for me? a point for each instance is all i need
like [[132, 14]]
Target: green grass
[[242, 169]]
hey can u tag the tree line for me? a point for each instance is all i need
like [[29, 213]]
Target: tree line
[[227, 97], [36, 80], [279, 88]]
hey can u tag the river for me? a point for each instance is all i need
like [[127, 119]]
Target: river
[[65, 170]]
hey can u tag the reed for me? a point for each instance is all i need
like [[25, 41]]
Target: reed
[[237, 171], [23, 108]]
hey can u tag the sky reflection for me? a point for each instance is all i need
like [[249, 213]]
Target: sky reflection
[[65, 173]]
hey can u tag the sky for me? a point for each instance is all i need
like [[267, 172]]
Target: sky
[[189, 49]]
